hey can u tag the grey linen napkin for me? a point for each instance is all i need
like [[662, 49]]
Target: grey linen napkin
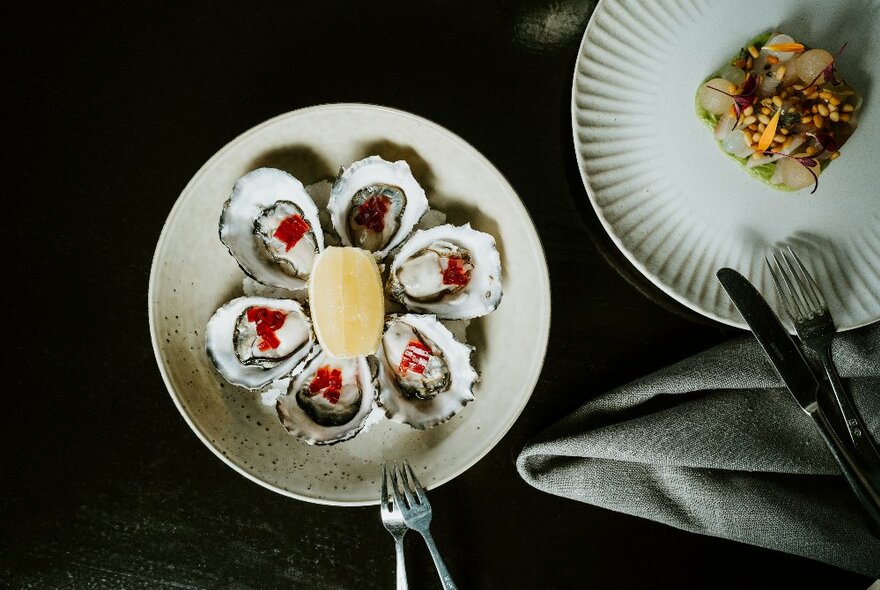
[[715, 445]]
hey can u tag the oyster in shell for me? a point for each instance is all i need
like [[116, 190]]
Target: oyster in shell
[[374, 204], [451, 272], [271, 227], [255, 340], [329, 401], [425, 374]]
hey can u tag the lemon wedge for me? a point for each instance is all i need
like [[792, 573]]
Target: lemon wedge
[[346, 301]]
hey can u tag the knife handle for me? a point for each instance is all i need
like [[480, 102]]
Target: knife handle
[[853, 424], [855, 476]]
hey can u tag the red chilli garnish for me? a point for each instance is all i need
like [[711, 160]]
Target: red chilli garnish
[[455, 272], [808, 162], [829, 70], [371, 213], [746, 96], [268, 321], [328, 382], [415, 358], [291, 230]]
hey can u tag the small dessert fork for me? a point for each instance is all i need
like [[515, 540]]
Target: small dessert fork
[[807, 310], [393, 521], [417, 512]]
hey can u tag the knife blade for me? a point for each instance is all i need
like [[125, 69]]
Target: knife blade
[[800, 380], [773, 337]]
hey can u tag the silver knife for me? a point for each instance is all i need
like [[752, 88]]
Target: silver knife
[[798, 376]]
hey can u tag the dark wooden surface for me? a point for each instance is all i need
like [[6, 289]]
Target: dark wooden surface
[[109, 112]]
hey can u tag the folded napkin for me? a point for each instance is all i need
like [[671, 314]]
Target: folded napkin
[[715, 445]]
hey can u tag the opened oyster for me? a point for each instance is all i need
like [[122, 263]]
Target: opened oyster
[[425, 374], [271, 227], [452, 272], [374, 204], [329, 401], [255, 340]]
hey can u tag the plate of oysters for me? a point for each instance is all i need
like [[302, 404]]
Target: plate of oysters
[[345, 285]]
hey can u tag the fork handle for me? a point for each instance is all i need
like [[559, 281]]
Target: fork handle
[[445, 578], [855, 427], [401, 565], [859, 482]]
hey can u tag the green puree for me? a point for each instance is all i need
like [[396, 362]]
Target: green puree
[[762, 173]]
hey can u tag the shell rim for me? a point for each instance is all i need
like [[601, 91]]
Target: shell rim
[[543, 312]]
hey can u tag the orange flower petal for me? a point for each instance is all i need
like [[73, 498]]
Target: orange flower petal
[[785, 47], [769, 132]]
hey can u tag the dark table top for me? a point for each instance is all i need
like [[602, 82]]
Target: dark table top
[[110, 111]]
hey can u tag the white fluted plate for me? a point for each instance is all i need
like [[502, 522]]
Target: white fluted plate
[[673, 203], [193, 274]]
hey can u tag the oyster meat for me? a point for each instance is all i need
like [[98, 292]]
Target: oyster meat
[[425, 374], [271, 227], [452, 272], [255, 340], [374, 204], [329, 401]]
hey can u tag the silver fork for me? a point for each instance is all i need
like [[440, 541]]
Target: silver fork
[[392, 518], [807, 310], [417, 512]]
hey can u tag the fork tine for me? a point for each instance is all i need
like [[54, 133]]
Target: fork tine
[[410, 497], [791, 287], [419, 489], [804, 302], [777, 284], [783, 289], [810, 285], [386, 501], [398, 498]]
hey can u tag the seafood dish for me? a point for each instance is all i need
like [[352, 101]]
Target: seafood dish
[[357, 296], [781, 109]]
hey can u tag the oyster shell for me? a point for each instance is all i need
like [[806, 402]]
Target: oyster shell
[[374, 204], [425, 374], [329, 401], [452, 272], [255, 340], [271, 227]]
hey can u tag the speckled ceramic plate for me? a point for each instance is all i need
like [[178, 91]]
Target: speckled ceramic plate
[[193, 274], [678, 208]]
